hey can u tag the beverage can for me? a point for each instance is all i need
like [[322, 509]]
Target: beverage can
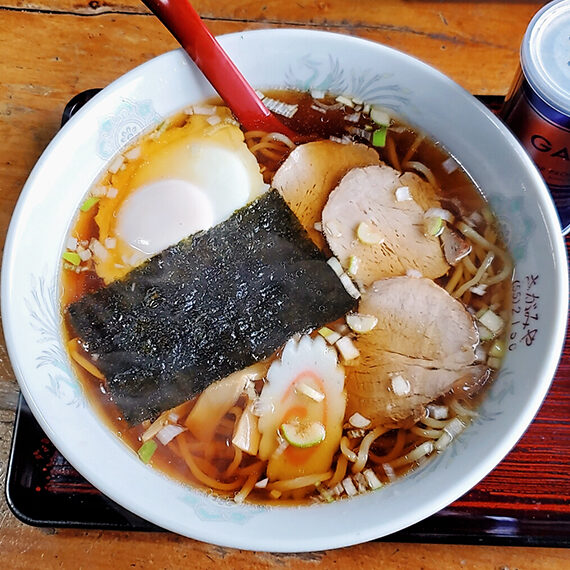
[[537, 108]]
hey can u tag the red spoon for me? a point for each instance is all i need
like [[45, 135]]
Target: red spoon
[[183, 22]]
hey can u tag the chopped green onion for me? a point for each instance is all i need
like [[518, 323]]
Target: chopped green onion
[[335, 265], [358, 421], [146, 450], [379, 136], [372, 479], [303, 435], [350, 287], [481, 312], [325, 493], [347, 349], [484, 333], [361, 323], [329, 335], [345, 101], [353, 263], [433, 226], [492, 321], [498, 349], [89, 203], [72, 257], [380, 117], [368, 234], [494, 362]]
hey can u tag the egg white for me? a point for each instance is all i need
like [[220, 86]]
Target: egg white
[[161, 213], [196, 188]]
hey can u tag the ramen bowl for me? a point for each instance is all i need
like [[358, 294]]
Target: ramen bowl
[[301, 60]]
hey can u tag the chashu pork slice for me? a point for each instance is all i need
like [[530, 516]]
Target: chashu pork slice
[[310, 173], [397, 388], [391, 205], [422, 347]]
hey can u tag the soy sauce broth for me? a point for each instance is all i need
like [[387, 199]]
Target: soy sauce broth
[[313, 124]]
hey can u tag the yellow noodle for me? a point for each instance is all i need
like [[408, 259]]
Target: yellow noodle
[[474, 236], [271, 137], [477, 277], [204, 455], [392, 154], [203, 477], [273, 146], [231, 468], [422, 169], [413, 455], [254, 134], [433, 423], [235, 411], [340, 471], [462, 410], [280, 137], [455, 278], [206, 466], [344, 447], [394, 452], [82, 360], [364, 448], [225, 426], [479, 251], [413, 147], [193, 446], [299, 494], [199, 449], [469, 265], [300, 482], [268, 145], [501, 275], [247, 486], [251, 468], [426, 433]]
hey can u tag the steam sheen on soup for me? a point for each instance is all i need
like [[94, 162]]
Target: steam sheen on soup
[[286, 321]]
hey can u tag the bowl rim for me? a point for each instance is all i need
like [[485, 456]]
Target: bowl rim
[[302, 543]]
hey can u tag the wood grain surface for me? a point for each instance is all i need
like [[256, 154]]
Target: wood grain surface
[[52, 49]]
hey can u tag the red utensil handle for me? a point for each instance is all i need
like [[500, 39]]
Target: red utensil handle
[[184, 23]]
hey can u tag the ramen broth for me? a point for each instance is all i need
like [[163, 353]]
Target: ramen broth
[[393, 450]]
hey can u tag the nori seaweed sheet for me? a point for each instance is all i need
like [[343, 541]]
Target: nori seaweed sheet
[[213, 304]]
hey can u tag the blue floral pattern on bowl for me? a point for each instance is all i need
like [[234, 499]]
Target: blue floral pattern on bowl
[[45, 321], [209, 508], [130, 119], [327, 74]]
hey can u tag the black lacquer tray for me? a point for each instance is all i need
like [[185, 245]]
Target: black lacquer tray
[[524, 501]]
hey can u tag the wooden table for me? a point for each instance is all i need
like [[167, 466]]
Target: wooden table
[[52, 49]]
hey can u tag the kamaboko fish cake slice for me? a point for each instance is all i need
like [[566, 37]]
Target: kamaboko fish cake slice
[[213, 304]]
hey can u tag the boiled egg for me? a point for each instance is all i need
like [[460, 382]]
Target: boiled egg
[[185, 179], [161, 214]]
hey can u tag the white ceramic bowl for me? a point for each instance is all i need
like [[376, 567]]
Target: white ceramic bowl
[[301, 60]]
